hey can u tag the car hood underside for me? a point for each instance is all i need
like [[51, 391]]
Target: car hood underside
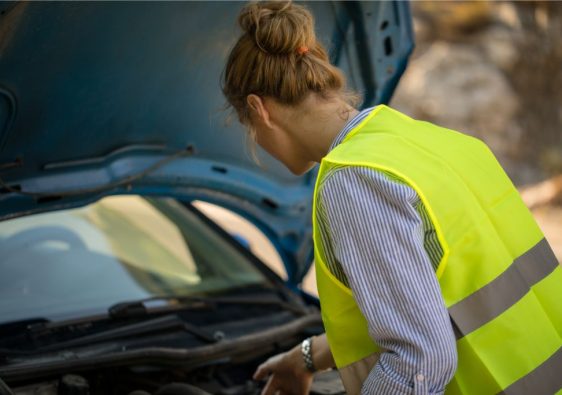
[[100, 98]]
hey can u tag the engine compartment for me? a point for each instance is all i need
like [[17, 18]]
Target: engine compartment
[[217, 378], [167, 361], [146, 380]]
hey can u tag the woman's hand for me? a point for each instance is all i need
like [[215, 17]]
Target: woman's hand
[[287, 372]]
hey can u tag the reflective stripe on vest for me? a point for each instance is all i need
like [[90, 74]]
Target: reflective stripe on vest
[[504, 291], [498, 276]]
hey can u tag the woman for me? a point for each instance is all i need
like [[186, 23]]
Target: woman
[[425, 254]]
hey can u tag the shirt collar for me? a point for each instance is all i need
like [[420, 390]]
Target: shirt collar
[[349, 126]]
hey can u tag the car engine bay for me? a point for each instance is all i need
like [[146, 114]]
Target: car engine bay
[[217, 379], [118, 359]]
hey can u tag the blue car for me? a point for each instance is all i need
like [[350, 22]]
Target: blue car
[[111, 127]]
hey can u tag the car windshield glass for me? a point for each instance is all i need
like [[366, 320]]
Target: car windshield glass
[[82, 261]]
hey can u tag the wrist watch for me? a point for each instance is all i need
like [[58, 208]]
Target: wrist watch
[[306, 348]]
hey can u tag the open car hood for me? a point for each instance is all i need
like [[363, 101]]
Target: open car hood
[[101, 98]]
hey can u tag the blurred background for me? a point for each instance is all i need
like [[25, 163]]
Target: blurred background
[[492, 70]]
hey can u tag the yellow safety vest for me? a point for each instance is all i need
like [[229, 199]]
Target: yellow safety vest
[[500, 281]]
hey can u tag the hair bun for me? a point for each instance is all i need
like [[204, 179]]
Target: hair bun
[[278, 27]]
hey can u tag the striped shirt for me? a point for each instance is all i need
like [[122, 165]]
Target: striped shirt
[[379, 241]]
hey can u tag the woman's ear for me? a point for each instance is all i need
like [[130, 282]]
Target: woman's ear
[[257, 106]]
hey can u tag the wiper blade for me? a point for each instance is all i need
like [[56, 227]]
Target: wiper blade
[[139, 307], [140, 328], [151, 326]]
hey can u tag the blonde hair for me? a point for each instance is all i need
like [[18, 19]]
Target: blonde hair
[[278, 56]]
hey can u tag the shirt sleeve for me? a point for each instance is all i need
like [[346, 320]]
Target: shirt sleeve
[[376, 235]]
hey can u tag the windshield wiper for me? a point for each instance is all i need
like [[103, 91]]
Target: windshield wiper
[[166, 323], [139, 307]]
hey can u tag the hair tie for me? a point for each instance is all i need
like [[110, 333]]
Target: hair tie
[[302, 50]]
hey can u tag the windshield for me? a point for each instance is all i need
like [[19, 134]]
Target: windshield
[[82, 261]]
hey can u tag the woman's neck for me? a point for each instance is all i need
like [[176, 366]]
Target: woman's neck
[[316, 124]]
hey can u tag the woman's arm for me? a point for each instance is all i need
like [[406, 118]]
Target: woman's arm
[[376, 236], [321, 354], [288, 373]]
